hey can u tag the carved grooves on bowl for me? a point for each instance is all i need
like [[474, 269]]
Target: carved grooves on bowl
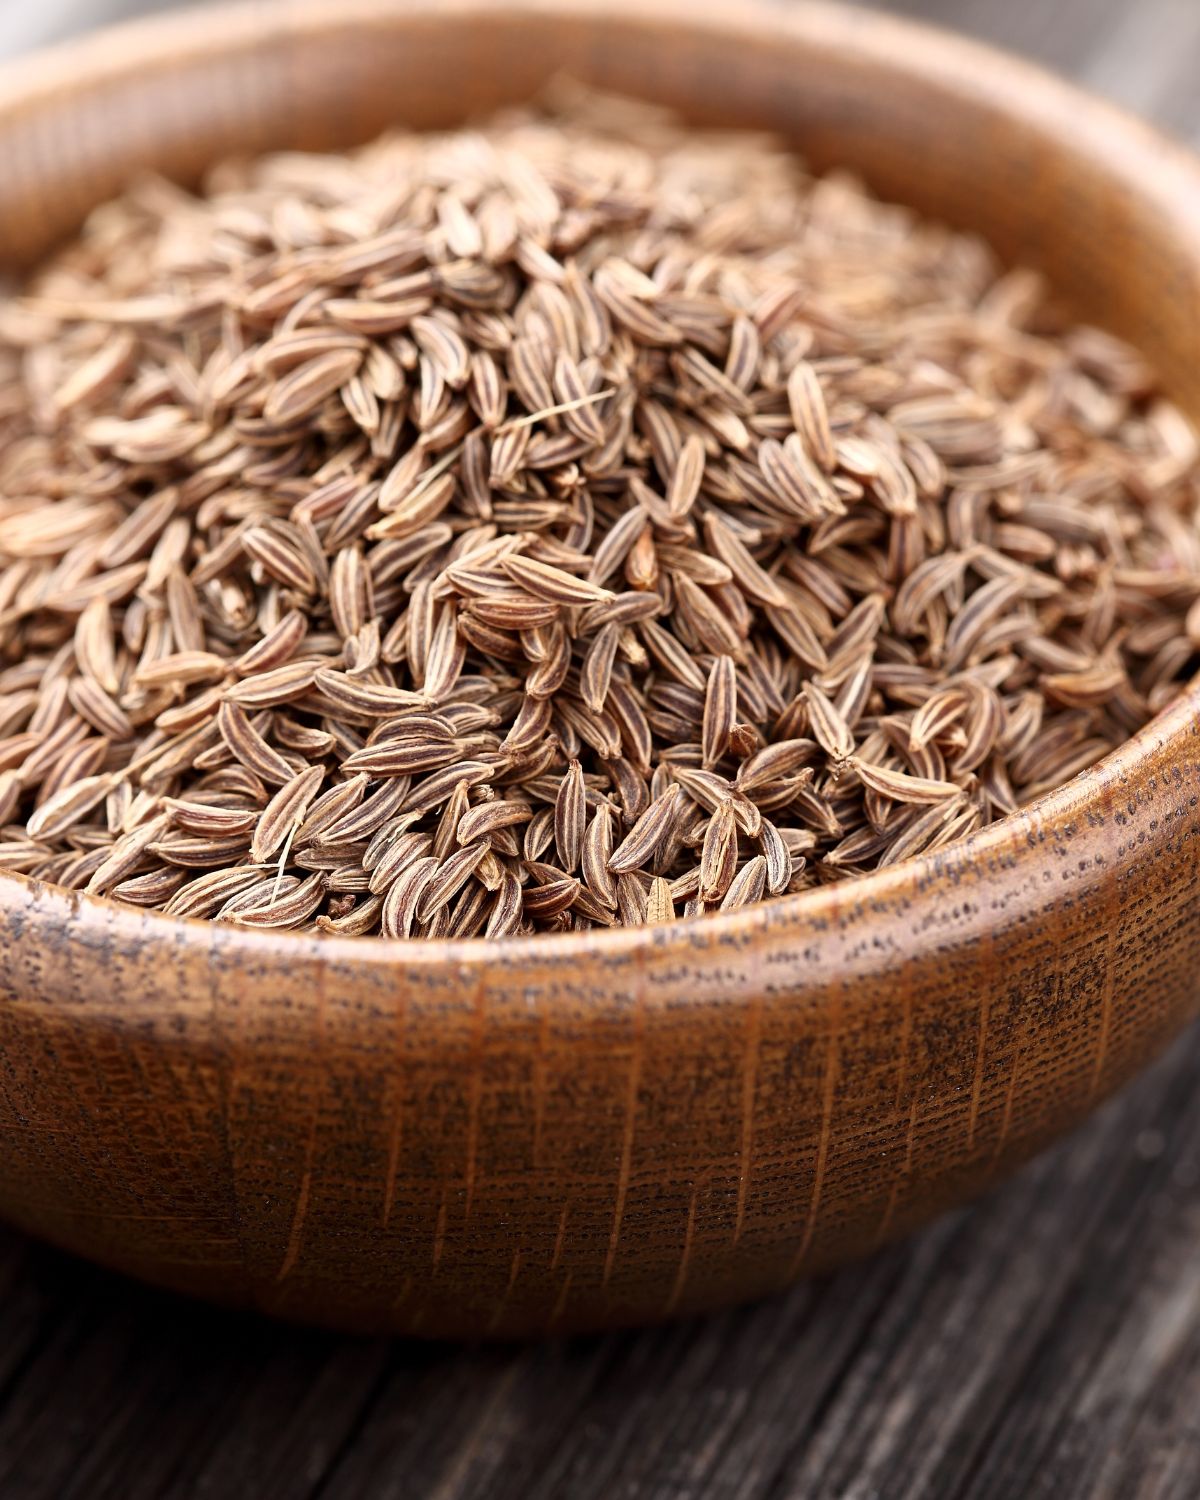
[[515, 1139]]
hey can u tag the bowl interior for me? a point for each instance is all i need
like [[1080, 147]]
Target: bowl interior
[[595, 1128], [1052, 178]]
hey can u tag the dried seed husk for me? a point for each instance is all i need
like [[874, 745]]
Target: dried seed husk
[[631, 557]]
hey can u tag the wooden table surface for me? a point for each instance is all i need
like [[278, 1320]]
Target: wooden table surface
[[1046, 1343]]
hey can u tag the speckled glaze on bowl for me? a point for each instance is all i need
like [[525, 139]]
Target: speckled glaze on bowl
[[451, 1138]]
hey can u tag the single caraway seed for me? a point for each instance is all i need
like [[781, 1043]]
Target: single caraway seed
[[596, 527]]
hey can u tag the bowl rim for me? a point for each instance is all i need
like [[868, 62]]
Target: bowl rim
[[1128, 149]]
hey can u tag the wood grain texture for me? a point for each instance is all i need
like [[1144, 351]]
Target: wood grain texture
[[527, 1136], [1045, 1343]]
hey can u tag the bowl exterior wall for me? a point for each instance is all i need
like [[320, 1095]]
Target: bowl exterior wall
[[513, 1139]]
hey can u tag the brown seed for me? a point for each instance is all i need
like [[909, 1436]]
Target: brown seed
[[507, 909], [984, 606], [98, 374], [284, 813], [545, 901], [672, 655], [720, 709], [330, 807], [784, 760], [272, 686], [595, 676], [92, 703], [205, 894], [528, 548], [614, 547], [402, 757], [437, 786], [486, 819], [181, 669], [597, 851], [920, 833], [900, 785], [154, 888], [394, 847], [777, 857], [631, 899], [209, 819], [718, 857], [369, 816], [445, 658], [654, 825], [829, 728], [570, 809], [399, 910], [306, 387], [546, 582], [288, 908], [748, 885], [754, 582], [67, 807], [686, 478], [95, 645], [357, 695], [248, 746], [125, 855], [659, 905], [452, 874], [810, 414]]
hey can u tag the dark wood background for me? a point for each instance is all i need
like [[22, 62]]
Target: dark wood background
[[1043, 1344]]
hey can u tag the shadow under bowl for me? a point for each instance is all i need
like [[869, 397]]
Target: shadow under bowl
[[502, 1138]]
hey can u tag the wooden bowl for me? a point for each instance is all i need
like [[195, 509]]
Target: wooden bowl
[[466, 1138]]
